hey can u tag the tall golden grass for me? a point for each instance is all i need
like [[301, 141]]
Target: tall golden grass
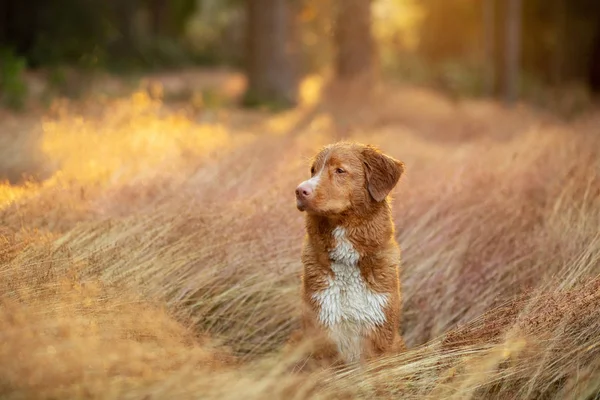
[[161, 258]]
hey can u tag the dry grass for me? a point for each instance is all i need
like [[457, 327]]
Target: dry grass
[[160, 259]]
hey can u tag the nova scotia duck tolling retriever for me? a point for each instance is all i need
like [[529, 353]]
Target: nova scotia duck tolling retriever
[[350, 280]]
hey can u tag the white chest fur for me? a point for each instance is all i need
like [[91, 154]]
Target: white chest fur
[[349, 309]]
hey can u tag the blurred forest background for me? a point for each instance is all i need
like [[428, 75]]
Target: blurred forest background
[[544, 51], [150, 245]]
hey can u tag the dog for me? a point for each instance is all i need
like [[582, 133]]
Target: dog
[[350, 280]]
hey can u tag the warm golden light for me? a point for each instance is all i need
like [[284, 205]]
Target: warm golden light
[[398, 21], [135, 137]]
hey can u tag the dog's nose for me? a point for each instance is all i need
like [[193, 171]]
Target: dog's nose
[[304, 191]]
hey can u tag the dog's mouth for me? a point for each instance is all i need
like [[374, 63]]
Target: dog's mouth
[[300, 205], [306, 206]]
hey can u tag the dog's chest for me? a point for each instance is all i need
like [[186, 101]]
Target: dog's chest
[[348, 307]]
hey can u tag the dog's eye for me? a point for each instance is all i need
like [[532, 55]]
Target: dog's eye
[[312, 170], [340, 171]]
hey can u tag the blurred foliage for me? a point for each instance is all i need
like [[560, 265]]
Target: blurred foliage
[[68, 31], [12, 85], [99, 34], [449, 29], [315, 21], [215, 34], [440, 43], [434, 42]]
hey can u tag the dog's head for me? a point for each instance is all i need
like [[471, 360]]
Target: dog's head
[[346, 177]]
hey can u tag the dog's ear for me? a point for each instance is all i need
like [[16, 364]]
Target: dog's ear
[[382, 172]]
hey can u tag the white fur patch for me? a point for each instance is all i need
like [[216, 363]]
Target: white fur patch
[[314, 181], [348, 307]]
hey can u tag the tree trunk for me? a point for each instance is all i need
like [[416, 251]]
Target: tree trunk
[[5, 7], [560, 15], [159, 17], [269, 64], [355, 47], [513, 50], [489, 45], [124, 13], [19, 24], [594, 70]]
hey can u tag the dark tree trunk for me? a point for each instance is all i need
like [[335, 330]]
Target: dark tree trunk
[[5, 17], [19, 24], [594, 71], [558, 57], [159, 17], [269, 63], [513, 50], [353, 38], [489, 45], [124, 13]]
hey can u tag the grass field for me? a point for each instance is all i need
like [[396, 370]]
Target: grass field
[[158, 257]]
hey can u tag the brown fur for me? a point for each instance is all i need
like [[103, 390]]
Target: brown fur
[[355, 199]]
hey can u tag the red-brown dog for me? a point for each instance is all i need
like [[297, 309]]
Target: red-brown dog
[[350, 282]]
